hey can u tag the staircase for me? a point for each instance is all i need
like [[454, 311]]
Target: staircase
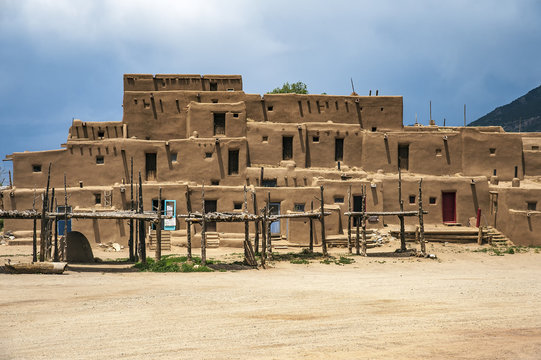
[[213, 239], [166, 240], [495, 238]]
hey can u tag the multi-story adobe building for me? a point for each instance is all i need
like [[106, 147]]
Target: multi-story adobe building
[[186, 130]]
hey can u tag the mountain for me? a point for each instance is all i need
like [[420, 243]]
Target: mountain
[[524, 112]]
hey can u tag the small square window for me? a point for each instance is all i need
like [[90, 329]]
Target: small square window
[[412, 199], [532, 205], [208, 155], [97, 199], [237, 206], [535, 147], [432, 200], [299, 207], [214, 182], [492, 151], [338, 199], [315, 139], [214, 101], [270, 108], [99, 159], [381, 109], [374, 129], [265, 139], [269, 183], [173, 157], [438, 152], [235, 115], [101, 134], [36, 168]]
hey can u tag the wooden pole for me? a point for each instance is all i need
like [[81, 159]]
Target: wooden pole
[[400, 217], [357, 226], [45, 205], [34, 233], [50, 223], [323, 241], [136, 232], [480, 236], [421, 221], [142, 245], [130, 240], [188, 224], [55, 253], [158, 253], [256, 223], [203, 228], [65, 242], [269, 234], [363, 219], [246, 226], [349, 219], [311, 227], [264, 238]]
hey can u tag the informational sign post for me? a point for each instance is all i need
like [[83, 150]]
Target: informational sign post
[[170, 210]]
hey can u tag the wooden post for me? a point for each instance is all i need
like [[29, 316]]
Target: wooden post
[[363, 222], [246, 227], [188, 224], [158, 253], [311, 227], [50, 223], [269, 223], [349, 219], [480, 236], [55, 251], [203, 228], [34, 233], [256, 239], [45, 205], [421, 222], [264, 237], [323, 241], [130, 240], [65, 242], [142, 245], [400, 217], [136, 232]]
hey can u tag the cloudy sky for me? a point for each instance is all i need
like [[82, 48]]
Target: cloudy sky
[[63, 59]]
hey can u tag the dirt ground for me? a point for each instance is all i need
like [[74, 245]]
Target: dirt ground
[[464, 305]]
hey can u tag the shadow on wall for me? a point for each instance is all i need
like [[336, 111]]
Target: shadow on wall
[[79, 250]]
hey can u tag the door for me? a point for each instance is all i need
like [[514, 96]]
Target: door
[[448, 206], [275, 225], [357, 207], [403, 156], [60, 225], [211, 206], [150, 166]]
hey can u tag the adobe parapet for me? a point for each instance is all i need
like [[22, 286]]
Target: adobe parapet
[[165, 82]]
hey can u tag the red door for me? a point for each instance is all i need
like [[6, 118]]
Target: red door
[[448, 206]]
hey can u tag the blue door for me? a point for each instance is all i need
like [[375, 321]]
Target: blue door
[[60, 225], [275, 210]]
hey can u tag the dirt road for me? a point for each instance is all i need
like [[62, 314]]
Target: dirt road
[[464, 305]]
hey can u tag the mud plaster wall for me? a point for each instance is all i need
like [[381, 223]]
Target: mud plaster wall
[[166, 82], [200, 119]]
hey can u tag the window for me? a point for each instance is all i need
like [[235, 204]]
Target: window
[[233, 163], [338, 149], [219, 123], [237, 206], [208, 154], [269, 183], [338, 199], [214, 101], [265, 139], [270, 108], [299, 207], [535, 147], [412, 199], [173, 157], [532, 205], [287, 147], [381, 109], [492, 151], [151, 166], [235, 115], [374, 129], [403, 156], [101, 134], [100, 159], [97, 199], [36, 168], [315, 139], [438, 152], [214, 182], [213, 86]]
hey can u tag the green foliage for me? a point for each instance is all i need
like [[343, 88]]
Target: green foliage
[[299, 261], [173, 263], [1, 224], [295, 88], [345, 260]]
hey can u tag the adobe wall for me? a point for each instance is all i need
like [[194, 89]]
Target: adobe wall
[[200, 119], [86, 130], [166, 82], [531, 150]]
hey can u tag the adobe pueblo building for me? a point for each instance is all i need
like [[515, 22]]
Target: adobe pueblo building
[[182, 131]]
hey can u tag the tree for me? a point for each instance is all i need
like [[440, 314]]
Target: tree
[[296, 88]]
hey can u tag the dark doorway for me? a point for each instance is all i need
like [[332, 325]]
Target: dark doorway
[[403, 156], [287, 147], [357, 207], [448, 207], [150, 166], [155, 209], [275, 225], [211, 206], [233, 162], [219, 123], [338, 149]]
